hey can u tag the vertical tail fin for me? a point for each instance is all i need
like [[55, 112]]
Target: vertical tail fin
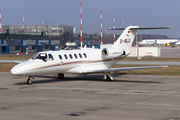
[[126, 39]]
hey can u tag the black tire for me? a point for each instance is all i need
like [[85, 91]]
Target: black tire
[[60, 75], [29, 81]]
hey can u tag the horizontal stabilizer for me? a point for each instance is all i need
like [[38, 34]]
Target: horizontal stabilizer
[[150, 28]]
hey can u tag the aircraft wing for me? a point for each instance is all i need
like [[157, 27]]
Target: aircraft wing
[[17, 62], [123, 69], [173, 42]]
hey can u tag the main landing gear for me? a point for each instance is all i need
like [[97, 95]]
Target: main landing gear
[[108, 77], [30, 80], [60, 75]]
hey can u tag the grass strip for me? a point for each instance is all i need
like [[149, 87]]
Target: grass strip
[[6, 67], [171, 70], [7, 57]]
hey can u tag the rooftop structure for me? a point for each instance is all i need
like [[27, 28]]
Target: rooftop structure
[[46, 30]]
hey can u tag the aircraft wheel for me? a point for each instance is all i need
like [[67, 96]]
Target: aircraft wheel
[[60, 75], [30, 81]]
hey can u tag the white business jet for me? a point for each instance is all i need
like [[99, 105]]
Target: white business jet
[[82, 61]]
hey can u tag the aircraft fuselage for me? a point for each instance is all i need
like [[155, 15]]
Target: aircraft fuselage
[[69, 61]]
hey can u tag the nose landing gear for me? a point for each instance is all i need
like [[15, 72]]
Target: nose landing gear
[[30, 80]]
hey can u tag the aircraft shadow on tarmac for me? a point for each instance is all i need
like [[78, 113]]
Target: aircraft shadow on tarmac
[[94, 78]]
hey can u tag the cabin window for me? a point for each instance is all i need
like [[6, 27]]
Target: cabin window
[[60, 57], [85, 55], [80, 55], [50, 57], [42, 56], [75, 56], [70, 56], [66, 56]]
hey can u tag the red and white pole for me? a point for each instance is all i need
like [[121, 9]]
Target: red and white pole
[[114, 28], [136, 39], [101, 28], [0, 21], [81, 23], [42, 22], [123, 22], [23, 19]]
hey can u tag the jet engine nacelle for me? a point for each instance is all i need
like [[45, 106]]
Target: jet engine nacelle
[[126, 52], [167, 44], [109, 53]]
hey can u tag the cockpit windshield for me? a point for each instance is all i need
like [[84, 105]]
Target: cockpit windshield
[[41, 56], [34, 56]]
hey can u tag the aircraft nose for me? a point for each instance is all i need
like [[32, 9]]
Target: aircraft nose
[[16, 70]]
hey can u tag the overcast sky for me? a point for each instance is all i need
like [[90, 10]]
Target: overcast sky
[[144, 13]]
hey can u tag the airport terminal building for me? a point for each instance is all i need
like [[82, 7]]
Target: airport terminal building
[[34, 38]]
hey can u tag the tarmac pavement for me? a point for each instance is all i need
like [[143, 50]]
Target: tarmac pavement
[[128, 97]]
